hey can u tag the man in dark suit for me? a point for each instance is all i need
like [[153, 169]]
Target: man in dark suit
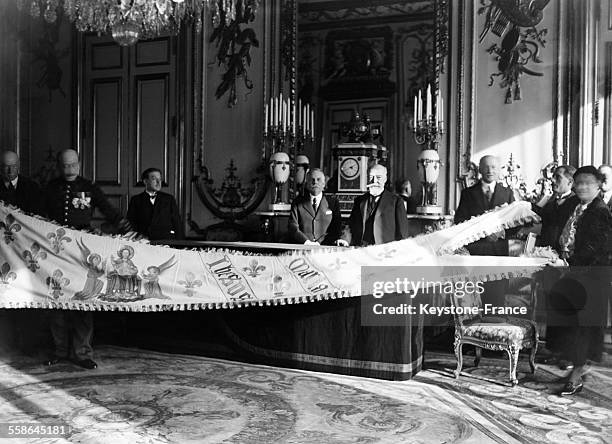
[[153, 213], [404, 189], [606, 185], [24, 193], [555, 210], [16, 189], [315, 218], [485, 195], [378, 216]]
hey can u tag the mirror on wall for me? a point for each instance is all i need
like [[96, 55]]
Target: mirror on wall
[[368, 57]]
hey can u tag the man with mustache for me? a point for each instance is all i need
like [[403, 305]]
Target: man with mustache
[[15, 188], [315, 219], [70, 200], [378, 216]]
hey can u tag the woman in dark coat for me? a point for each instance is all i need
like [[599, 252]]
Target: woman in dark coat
[[581, 295]]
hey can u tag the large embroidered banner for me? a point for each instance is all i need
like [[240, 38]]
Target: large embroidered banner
[[44, 265]]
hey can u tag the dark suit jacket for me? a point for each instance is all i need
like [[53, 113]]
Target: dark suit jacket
[[592, 244], [609, 204], [27, 195], [554, 217], [155, 221], [411, 204], [324, 227], [474, 203], [390, 221]]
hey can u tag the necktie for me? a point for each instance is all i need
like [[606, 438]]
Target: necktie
[[11, 187], [372, 205], [314, 204], [568, 235], [489, 194], [152, 197]]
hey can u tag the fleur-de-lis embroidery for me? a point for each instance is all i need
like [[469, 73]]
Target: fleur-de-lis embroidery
[[10, 226], [278, 286], [57, 240], [31, 257], [6, 276], [57, 282], [388, 253], [338, 264], [254, 269], [190, 283]]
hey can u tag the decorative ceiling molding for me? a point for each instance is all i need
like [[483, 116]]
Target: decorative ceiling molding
[[325, 14]]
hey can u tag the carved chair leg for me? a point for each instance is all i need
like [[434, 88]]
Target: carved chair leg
[[478, 356], [513, 355], [459, 356], [532, 356]]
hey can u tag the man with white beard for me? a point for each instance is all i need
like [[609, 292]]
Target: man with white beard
[[378, 216]]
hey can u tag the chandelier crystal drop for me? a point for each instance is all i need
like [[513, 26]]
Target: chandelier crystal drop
[[130, 20]]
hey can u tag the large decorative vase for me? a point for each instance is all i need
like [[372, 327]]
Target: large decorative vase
[[302, 165], [280, 168], [428, 166]]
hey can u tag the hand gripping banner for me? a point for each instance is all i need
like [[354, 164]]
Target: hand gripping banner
[[44, 265]]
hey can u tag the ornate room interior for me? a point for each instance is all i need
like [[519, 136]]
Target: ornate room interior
[[179, 101], [234, 101]]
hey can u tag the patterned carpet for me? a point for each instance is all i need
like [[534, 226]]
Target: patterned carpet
[[140, 396]]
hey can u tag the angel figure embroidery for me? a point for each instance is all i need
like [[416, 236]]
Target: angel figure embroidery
[[123, 280], [151, 277], [95, 268]]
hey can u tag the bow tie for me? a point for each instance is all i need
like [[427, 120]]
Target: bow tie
[[152, 196]]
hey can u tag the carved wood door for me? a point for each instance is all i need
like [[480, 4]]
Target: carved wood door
[[128, 114]]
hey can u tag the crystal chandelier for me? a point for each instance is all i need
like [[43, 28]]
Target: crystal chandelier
[[130, 20]]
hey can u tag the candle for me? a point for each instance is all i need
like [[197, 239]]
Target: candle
[[294, 110], [275, 105], [428, 98], [312, 122], [266, 118], [437, 107], [281, 109], [420, 107], [415, 117]]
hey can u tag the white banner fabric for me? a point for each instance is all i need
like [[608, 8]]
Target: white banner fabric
[[44, 265]]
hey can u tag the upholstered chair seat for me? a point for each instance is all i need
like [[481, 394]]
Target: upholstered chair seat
[[505, 333]]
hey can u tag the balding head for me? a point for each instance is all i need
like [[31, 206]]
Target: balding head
[[68, 164], [9, 166], [606, 172], [377, 178], [489, 168]]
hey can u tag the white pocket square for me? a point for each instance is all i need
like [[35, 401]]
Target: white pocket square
[[328, 212]]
